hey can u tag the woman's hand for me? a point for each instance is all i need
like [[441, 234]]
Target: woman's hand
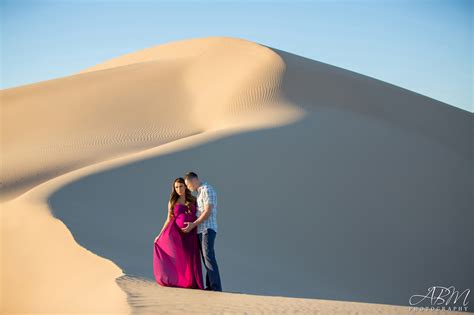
[[156, 238], [162, 229], [189, 227]]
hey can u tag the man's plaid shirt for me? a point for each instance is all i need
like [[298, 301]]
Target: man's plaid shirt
[[207, 195]]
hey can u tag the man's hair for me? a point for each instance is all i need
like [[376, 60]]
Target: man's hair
[[190, 175]]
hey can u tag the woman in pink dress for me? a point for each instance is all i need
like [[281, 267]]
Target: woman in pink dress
[[176, 256]]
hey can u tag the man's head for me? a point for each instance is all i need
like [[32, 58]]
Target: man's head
[[192, 181]]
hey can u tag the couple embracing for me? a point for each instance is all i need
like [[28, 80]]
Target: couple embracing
[[187, 235]]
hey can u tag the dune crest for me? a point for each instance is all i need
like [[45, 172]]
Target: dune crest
[[138, 101]]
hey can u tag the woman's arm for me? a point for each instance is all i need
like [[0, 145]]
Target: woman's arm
[[168, 219]]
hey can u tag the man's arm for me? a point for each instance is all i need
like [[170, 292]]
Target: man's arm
[[205, 214], [209, 198], [209, 202]]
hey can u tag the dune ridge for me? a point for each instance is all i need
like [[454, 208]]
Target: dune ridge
[[93, 116]]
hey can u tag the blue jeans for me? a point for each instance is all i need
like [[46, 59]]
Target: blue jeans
[[206, 246]]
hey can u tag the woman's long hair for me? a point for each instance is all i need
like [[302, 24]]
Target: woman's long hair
[[190, 199]]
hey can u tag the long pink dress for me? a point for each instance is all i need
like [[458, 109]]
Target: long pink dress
[[176, 256]]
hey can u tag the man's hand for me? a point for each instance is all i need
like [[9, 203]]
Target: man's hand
[[191, 225]]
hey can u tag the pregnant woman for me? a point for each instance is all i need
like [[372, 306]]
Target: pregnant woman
[[176, 256]]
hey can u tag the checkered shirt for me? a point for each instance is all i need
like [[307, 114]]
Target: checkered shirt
[[207, 195]]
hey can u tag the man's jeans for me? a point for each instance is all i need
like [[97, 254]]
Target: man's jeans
[[206, 246]]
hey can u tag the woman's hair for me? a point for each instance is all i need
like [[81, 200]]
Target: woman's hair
[[190, 199]]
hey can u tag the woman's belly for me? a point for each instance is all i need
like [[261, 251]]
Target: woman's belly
[[183, 217]]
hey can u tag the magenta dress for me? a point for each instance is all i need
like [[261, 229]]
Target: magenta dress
[[176, 256]]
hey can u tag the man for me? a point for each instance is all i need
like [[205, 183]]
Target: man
[[206, 224]]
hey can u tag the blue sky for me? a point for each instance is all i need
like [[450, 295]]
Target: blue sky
[[423, 46]]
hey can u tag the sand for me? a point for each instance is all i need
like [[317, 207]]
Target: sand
[[328, 182]]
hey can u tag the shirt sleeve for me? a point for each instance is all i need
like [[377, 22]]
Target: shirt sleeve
[[209, 196]]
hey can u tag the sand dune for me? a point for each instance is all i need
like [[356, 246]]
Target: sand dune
[[148, 298], [331, 183], [75, 121]]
